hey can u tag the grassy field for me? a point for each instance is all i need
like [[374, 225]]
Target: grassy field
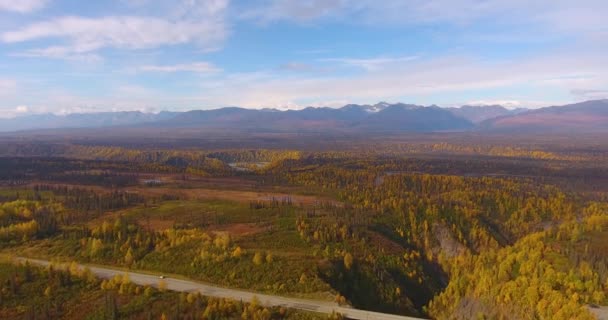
[[267, 229]]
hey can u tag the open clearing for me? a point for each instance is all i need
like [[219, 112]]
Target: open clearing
[[233, 189]]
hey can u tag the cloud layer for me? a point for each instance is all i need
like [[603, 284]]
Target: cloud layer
[[22, 6], [564, 14], [152, 54]]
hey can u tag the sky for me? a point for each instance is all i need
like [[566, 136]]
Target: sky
[[66, 56]]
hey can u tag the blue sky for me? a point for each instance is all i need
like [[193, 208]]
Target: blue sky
[[66, 56]]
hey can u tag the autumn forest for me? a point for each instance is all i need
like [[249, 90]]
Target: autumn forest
[[432, 227]]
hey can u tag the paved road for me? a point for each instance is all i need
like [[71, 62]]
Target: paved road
[[600, 312], [239, 295]]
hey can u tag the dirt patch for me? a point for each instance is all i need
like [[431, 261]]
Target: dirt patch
[[231, 195], [386, 244], [192, 181], [158, 192], [246, 196], [225, 183], [447, 242]]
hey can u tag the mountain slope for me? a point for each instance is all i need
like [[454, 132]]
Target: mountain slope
[[401, 117], [588, 116], [478, 114]]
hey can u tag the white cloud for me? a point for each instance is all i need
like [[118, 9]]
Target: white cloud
[[90, 34], [22, 109], [204, 25], [504, 103], [196, 9], [198, 67], [328, 103], [22, 6]]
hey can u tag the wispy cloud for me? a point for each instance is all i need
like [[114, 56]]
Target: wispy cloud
[[198, 67], [90, 34], [388, 11], [370, 64], [297, 10], [582, 17], [417, 81], [58, 52], [7, 87], [206, 28], [504, 103], [22, 6], [591, 93], [301, 67]]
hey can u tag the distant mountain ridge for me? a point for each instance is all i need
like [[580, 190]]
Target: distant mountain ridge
[[382, 117], [82, 120]]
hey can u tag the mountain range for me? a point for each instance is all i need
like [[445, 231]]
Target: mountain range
[[353, 118]]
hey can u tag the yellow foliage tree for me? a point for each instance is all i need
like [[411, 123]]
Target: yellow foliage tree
[[348, 261]]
